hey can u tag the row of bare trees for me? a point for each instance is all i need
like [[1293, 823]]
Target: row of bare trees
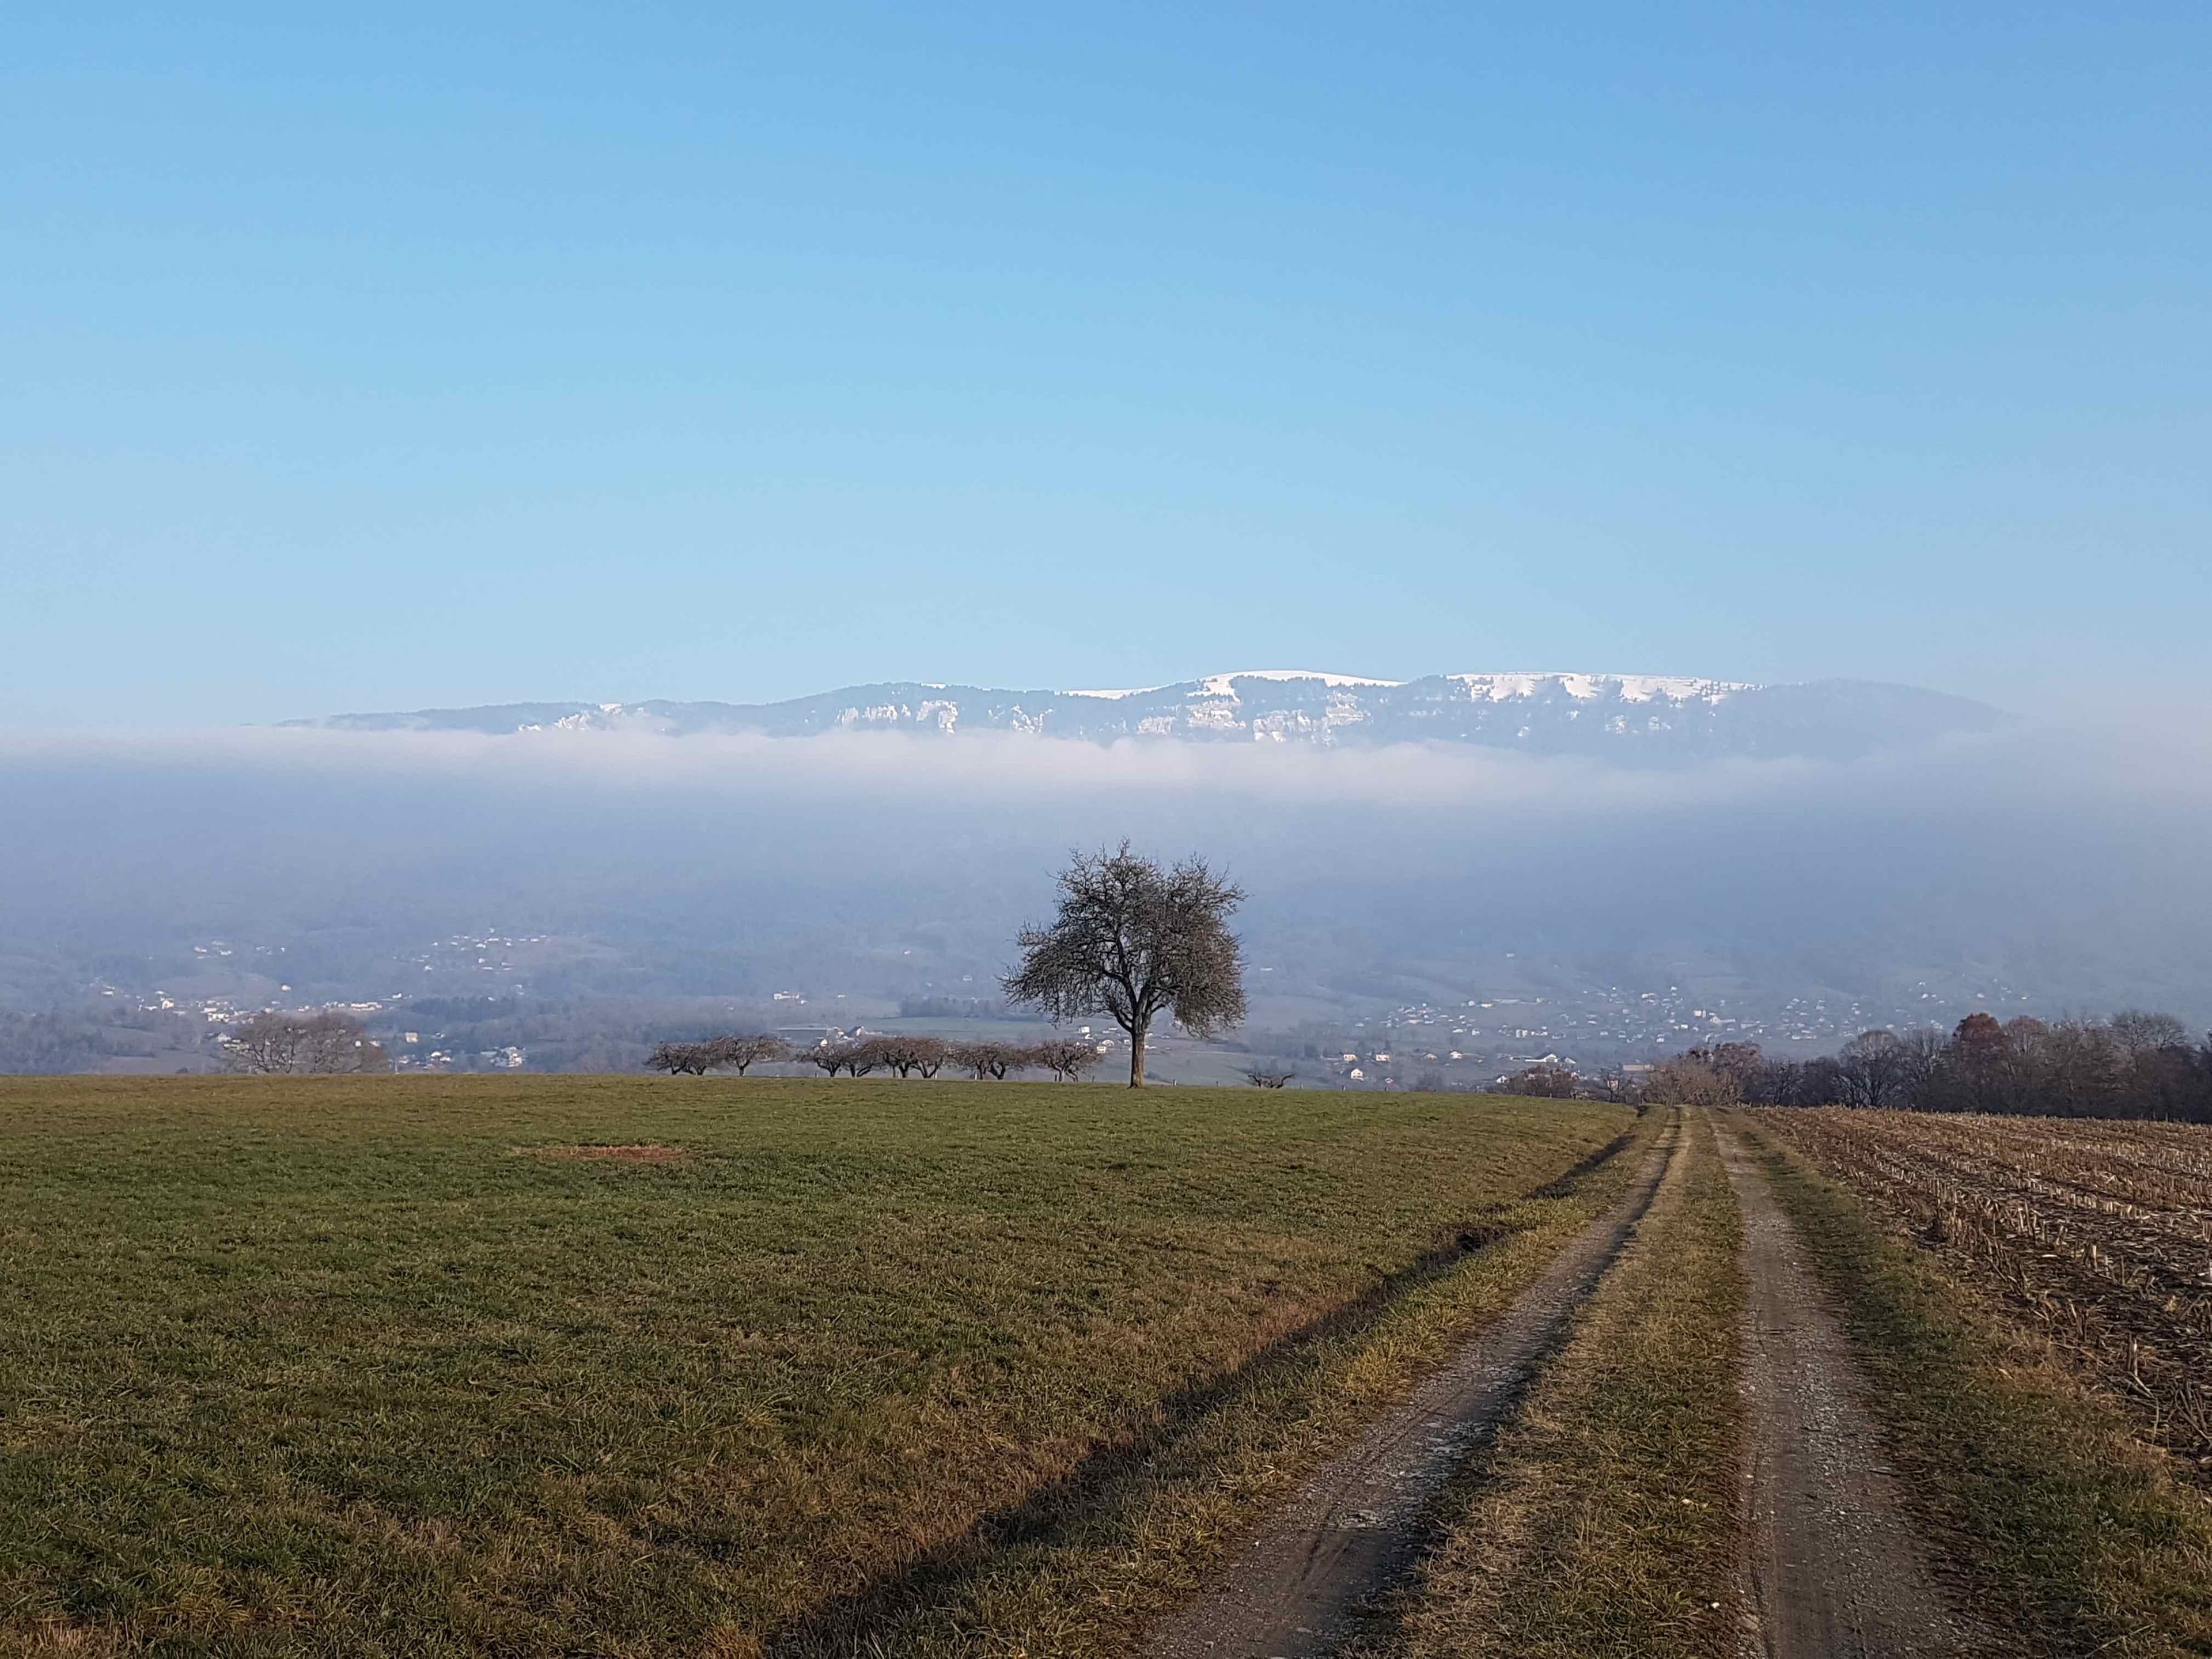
[[721, 1053], [1069, 1059], [2132, 1065]]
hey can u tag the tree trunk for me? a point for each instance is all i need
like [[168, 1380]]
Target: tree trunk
[[1136, 1053]]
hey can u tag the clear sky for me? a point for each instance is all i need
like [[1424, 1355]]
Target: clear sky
[[454, 354]]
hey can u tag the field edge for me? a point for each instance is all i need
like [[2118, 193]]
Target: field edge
[[1090, 1579], [2058, 1523]]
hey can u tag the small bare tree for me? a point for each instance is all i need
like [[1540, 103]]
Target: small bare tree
[[737, 1053], [1544, 1082], [1068, 1058], [855, 1056], [1686, 1080], [988, 1060], [906, 1055], [1265, 1076], [1133, 940], [1615, 1086], [263, 1043], [687, 1059], [328, 1041]]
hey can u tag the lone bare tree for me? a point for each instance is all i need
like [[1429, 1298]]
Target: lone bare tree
[[325, 1042], [1133, 940]]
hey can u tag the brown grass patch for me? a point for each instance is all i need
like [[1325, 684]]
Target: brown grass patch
[[651, 1153]]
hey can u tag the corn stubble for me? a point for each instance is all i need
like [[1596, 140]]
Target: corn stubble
[[2098, 1234], [1988, 1270]]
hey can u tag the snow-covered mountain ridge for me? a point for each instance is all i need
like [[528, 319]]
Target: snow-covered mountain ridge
[[1640, 717], [1631, 687]]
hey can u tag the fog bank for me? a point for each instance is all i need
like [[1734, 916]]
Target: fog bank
[[2064, 864]]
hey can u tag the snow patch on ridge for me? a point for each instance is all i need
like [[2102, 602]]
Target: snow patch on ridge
[[1583, 688], [1221, 685], [1499, 687]]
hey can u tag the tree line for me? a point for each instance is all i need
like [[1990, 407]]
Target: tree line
[[2133, 1065]]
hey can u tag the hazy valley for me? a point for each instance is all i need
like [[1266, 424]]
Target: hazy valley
[[1599, 867]]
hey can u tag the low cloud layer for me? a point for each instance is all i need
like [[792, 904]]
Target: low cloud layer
[[2065, 863]]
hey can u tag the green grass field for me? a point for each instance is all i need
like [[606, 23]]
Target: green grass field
[[379, 1365]]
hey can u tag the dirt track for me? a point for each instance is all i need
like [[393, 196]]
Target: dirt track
[[1836, 1571], [1298, 1592]]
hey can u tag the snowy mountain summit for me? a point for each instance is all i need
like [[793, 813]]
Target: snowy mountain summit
[[1643, 718]]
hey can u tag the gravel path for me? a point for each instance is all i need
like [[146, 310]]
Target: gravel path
[[1357, 1528], [1836, 1570]]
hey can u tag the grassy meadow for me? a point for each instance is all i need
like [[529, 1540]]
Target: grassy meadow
[[518, 1366]]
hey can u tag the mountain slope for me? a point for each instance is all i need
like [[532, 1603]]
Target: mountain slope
[[1648, 718]]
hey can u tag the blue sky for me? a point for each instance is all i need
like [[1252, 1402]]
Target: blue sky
[[455, 354]]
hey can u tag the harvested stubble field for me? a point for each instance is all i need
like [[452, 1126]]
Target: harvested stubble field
[[2099, 1232], [539, 1365]]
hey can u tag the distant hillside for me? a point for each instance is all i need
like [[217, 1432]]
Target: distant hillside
[[1630, 717]]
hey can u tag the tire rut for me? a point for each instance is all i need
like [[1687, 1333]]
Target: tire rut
[[1836, 1568], [1309, 1581]]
